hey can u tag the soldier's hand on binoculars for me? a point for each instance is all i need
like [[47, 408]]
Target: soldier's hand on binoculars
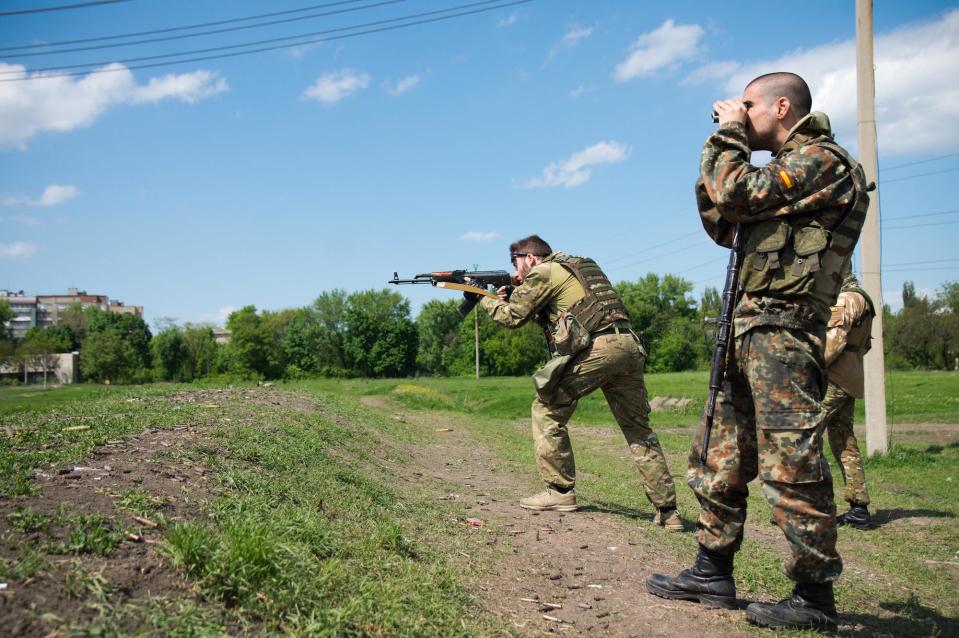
[[732, 110]]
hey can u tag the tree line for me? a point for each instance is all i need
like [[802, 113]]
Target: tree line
[[373, 333]]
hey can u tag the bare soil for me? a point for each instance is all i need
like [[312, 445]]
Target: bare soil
[[575, 574]]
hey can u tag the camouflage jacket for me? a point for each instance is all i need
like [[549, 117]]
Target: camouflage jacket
[[545, 293], [847, 339], [802, 179]]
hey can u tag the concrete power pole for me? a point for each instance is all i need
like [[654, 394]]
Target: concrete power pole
[[476, 312], [877, 439]]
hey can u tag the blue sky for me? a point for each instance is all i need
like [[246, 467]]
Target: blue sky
[[269, 178]]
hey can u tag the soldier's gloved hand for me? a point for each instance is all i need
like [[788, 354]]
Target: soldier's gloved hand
[[503, 292]]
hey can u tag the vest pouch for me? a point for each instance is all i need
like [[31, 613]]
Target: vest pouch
[[569, 335], [764, 248], [808, 243]]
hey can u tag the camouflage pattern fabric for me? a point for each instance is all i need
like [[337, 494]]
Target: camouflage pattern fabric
[[768, 424], [768, 419], [837, 409], [806, 185], [613, 363]]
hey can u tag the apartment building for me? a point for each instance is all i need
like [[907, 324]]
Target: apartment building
[[47, 310]]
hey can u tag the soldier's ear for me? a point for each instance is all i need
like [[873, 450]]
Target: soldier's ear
[[782, 107]]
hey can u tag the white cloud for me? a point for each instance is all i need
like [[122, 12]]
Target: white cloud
[[56, 194], [62, 104], [189, 87], [508, 21], [575, 170], [661, 49], [219, 317], [52, 195], [331, 87], [475, 235], [403, 85], [17, 250], [572, 37], [580, 91], [710, 72], [917, 105], [26, 220]]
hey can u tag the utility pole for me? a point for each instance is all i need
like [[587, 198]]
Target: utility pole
[[476, 312], [877, 437]]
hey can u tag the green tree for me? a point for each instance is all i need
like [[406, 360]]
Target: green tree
[[503, 351], [654, 305], [249, 343], [170, 355], [437, 326], [108, 357], [39, 349], [380, 338], [131, 328], [950, 296], [201, 349], [6, 314]]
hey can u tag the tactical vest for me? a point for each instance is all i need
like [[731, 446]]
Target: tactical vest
[[859, 337], [601, 306], [802, 256]]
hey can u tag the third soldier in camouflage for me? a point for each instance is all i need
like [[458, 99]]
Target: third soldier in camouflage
[[802, 214]]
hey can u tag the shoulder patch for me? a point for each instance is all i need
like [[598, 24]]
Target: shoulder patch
[[786, 180]]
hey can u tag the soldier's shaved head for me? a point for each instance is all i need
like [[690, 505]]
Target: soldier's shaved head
[[533, 245], [788, 85]]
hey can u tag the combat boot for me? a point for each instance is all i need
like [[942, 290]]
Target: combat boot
[[709, 581], [550, 500], [811, 606], [669, 518], [857, 517]]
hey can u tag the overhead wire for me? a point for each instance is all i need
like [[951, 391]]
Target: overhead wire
[[901, 179], [120, 65], [925, 161], [199, 25], [203, 33], [61, 7]]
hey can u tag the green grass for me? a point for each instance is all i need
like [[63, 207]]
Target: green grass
[[307, 536], [897, 567]]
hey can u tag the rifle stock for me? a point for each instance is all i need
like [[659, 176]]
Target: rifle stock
[[724, 337]]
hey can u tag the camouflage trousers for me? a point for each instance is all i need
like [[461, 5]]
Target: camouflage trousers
[[613, 363], [837, 409], [768, 423]]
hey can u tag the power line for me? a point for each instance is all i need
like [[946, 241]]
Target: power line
[[671, 252], [202, 33], [654, 247], [900, 179], [118, 65], [921, 225], [199, 25], [945, 212], [917, 263], [62, 7], [920, 269], [925, 161]]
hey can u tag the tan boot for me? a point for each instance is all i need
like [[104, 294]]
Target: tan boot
[[669, 518], [550, 500]]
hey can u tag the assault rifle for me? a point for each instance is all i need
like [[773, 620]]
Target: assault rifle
[[724, 336], [474, 282]]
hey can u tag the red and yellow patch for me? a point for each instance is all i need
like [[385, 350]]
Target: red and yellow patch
[[787, 181]]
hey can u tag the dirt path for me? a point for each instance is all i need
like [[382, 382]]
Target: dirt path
[[591, 564]]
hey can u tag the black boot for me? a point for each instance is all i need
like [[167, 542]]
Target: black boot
[[857, 516], [810, 607], [709, 581]]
